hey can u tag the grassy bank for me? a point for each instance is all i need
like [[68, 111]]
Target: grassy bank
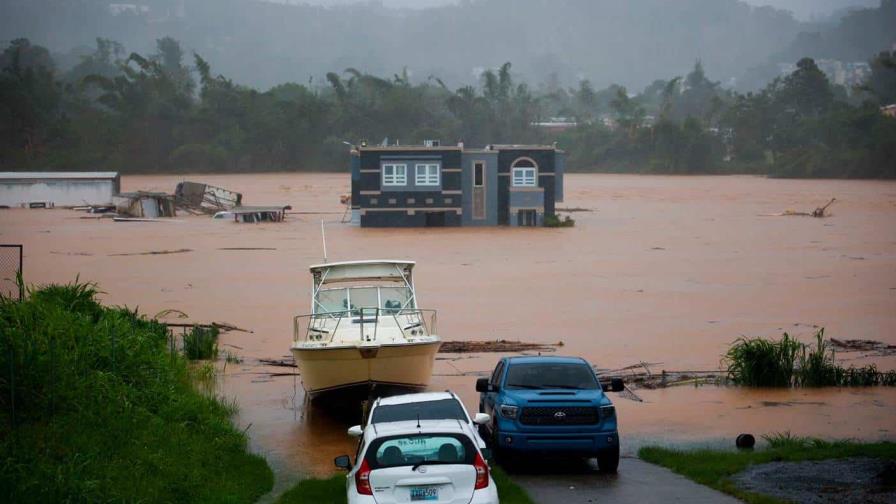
[[714, 468], [332, 491], [95, 408]]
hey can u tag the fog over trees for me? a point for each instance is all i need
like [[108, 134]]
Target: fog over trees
[[183, 104], [264, 43]]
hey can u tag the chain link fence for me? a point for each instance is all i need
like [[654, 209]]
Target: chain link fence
[[11, 271]]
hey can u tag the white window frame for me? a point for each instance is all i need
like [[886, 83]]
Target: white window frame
[[426, 177], [399, 175], [525, 176]]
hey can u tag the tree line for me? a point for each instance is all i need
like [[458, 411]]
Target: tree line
[[170, 112]]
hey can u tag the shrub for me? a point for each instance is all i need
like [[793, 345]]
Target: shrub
[[553, 220]]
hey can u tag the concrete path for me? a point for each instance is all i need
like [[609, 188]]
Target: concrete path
[[637, 482]]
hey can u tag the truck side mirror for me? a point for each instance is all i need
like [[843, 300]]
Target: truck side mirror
[[615, 385], [343, 462], [481, 418], [482, 385]]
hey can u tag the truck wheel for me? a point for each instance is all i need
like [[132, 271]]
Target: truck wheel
[[608, 460]]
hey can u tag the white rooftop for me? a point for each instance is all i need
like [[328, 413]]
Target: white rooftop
[[410, 427], [57, 175], [412, 398]]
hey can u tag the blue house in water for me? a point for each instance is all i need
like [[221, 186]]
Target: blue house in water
[[434, 185]]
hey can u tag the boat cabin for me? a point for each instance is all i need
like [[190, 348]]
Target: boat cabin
[[363, 301]]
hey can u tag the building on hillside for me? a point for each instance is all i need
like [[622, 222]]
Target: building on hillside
[[48, 189], [889, 110], [434, 185]]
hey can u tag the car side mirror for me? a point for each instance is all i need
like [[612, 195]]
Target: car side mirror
[[482, 385], [615, 385], [343, 462], [481, 418], [355, 431]]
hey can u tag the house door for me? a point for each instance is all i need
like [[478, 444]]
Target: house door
[[479, 190], [526, 218]]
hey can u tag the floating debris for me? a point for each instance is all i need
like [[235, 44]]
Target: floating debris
[[862, 345], [497, 346], [154, 252]]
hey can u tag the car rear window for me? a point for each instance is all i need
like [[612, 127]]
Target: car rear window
[[442, 409], [411, 449], [550, 375]]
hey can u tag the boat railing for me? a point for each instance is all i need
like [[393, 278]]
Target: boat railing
[[323, 326]]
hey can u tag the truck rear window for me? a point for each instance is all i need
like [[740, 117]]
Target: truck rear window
[[550, 375], [442, 409], [412, 449]]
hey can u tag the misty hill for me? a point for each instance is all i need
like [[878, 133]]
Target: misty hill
[[264, 43]]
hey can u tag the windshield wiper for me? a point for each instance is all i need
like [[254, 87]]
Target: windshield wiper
[[520, 385], [427, 462]]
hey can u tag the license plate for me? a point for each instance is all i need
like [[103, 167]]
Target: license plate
[[424, 494]]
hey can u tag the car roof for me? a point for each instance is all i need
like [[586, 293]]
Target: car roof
[[413, 427], [412, 398], [550, 359]]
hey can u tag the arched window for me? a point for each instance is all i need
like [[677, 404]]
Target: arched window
[[524, 173]]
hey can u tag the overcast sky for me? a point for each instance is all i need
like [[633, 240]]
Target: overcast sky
[[803, 9]]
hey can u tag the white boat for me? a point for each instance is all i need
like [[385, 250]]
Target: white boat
[[365, 329]]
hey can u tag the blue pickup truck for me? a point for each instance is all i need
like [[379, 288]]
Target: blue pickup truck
[[550, 405]]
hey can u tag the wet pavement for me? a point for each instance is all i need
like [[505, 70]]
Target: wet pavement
[[637, 482]]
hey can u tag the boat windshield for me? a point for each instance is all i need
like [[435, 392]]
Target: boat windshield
[[389, 299]]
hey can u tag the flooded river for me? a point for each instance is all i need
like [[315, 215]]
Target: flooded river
[[663, 270]]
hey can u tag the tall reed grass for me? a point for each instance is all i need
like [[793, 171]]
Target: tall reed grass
[[201, 343], [94, 407], [759, 362]]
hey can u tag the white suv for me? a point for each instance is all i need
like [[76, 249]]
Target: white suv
[[435, 461], [423, 406]]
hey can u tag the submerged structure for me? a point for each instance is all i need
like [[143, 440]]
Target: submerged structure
[[52, 189], [145, 204], [433, 185]]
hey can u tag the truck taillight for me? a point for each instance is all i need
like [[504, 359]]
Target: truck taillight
[[362, 479], [481, 472]]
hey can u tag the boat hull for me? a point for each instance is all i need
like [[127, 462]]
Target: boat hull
[[327, 369]]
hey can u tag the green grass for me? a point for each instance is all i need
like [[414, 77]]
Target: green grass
[[95, 408], [714, 468], [201, 343], [332, 491], [759, 362]]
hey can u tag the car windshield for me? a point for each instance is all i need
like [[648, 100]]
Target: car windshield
[[550, 375], [442, 409], [414, 449]]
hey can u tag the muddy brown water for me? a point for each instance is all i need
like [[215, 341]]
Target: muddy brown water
[[666, 270]]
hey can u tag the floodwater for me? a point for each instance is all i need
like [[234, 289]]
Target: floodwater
[[662, 270]]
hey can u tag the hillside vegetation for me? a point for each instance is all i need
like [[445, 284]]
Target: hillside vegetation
[[95, 408]]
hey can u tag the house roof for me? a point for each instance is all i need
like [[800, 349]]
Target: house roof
[[57, 175]]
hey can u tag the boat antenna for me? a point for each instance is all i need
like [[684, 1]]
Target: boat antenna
[[323, 236]]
